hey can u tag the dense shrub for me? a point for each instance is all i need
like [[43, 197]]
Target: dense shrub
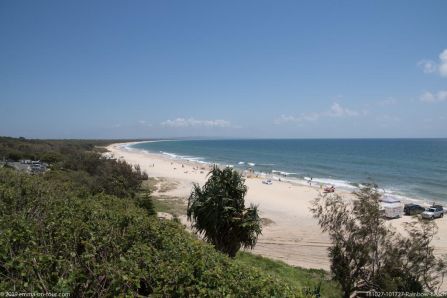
[[46, 150], [57, 238], [98, 175], [109, 176]]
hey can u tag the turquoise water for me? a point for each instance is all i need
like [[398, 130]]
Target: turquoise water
[[414, 168]]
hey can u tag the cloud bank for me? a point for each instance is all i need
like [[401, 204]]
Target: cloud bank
[[430, 97], [191, 122], [336, 110]]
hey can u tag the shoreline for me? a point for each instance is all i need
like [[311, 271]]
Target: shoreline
[[294, 236], [294, 178]]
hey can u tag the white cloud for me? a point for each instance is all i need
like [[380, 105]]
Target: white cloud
[[191, 122], [336, 110], [285, 119], [443, 63], [429, 97], [429, 66], [144, 123], [300, 119]]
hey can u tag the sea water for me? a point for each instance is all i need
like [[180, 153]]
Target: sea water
[[411, 168]]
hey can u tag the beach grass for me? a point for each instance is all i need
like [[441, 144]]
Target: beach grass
[[173, 205], [306, 279], [150, 184], [160, 185]]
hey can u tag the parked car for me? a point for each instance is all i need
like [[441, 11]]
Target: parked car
[[413, 209], [435, 211]]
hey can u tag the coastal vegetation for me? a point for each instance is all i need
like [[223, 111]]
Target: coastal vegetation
[[87, 227], [56, 239], [218, 212], [367, 255], [51, 151], [312, 282], [78, 162]]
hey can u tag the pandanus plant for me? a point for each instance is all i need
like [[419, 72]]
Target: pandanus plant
[[218, 213]]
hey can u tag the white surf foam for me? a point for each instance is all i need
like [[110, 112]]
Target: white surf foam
[[335, 182], [184, 157], [283, 173]]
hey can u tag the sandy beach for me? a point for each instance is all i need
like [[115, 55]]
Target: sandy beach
[[293, 236]]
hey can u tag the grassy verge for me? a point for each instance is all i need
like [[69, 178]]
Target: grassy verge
[[163, 203], [173, 205], [296, 277], [150, 184]]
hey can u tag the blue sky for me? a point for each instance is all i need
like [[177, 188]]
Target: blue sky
[[128, 69]]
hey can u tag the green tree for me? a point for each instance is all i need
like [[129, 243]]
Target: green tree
[[145, 202], [218, 212], [367, 255]]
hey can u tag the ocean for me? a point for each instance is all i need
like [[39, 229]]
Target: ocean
[[404, 168]]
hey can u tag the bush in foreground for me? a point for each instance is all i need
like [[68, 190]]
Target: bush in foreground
[[312, 282], [55, 240]]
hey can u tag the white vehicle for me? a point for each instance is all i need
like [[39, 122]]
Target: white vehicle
[[268, 182], [433, 212], [392, 207]]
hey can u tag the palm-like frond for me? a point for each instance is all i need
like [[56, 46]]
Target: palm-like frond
[[218, 212]]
